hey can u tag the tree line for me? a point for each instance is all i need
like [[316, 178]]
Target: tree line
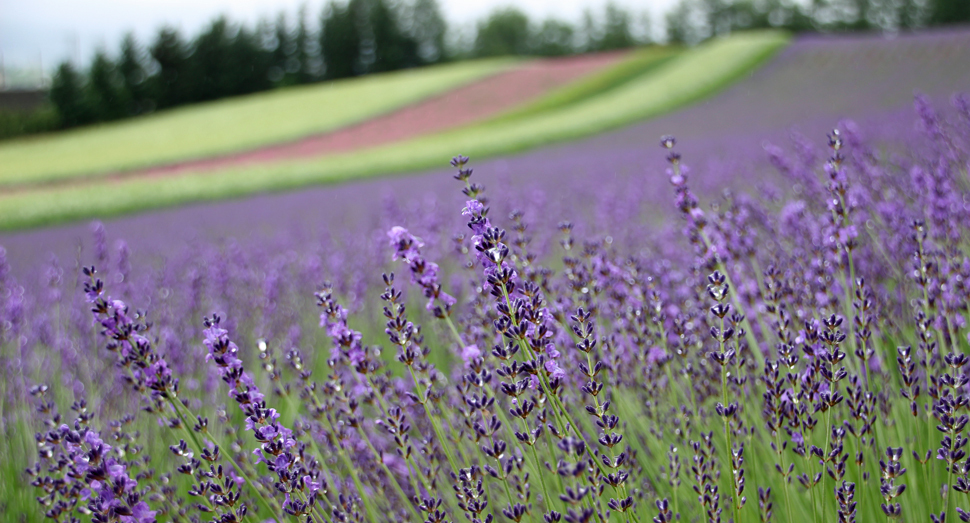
[[359, 37], [692, 21], [227, 59], [349, 39]]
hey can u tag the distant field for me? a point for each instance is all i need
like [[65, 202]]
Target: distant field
[[677, 82], [528, 81], [230, 125], [638, 63]]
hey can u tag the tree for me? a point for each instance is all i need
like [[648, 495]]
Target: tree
[[304, 50], [67, 95], [642, 28], [228, 61], [616, 29], [171, 83], [393, 49], [505, 32], [105, 90], [911, 14], [340, 40], [283, 63], [717, 21], [681, 28], [554, 38], [249, 64], [131, 67], [589, 31], [945, 12], [428, 30], [211, 68]]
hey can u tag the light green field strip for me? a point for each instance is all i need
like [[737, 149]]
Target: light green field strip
[[635, 64], [226, 126], [691, 76]]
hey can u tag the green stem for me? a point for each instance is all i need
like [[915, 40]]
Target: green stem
[[488, 388], [949, 480], [784, 468], [542, 479], [313, 442], [434, 422], [352, 470], [729, 447], [811, 470], [390, 476], [173, 402], [735, 300], [927, 490], [560, 410]]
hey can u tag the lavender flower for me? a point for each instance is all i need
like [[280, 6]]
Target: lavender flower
[[582, 347], [80, 467], [298, 479], [423, 273]]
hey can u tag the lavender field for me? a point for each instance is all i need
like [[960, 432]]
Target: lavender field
[[764, 319]]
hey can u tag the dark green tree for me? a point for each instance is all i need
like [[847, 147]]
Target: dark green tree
[[67, 95], [393, 49], [743, 14], [427, 28], [642, 28], [264, 39], [304, 50], [793, 16], [131, 67], [170, 84], [211, 62], [249, 64], [683, 24], [504, 32], [843, 15], [911, 14], [862, 15], [283, 62], [340, 40], [616, 29], [554, 38], [589, 32], [105, 89], [946, 12], [716, 18]]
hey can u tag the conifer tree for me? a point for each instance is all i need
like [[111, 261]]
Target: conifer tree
[[67, 95]]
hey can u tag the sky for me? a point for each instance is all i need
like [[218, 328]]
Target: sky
[[41, 33]]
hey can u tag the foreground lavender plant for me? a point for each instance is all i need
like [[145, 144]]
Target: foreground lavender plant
[[525, 368], [297, 476], [81, 474]]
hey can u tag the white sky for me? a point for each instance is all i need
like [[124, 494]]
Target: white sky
[[45, 32]]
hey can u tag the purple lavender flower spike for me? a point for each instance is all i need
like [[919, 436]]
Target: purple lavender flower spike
[[92, 473], [347, 342], [424, 273], [298, 480]]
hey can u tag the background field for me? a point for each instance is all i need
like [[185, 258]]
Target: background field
[[528, 81], [676, 82], [638, 63], [229, 125], [808, 87]]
